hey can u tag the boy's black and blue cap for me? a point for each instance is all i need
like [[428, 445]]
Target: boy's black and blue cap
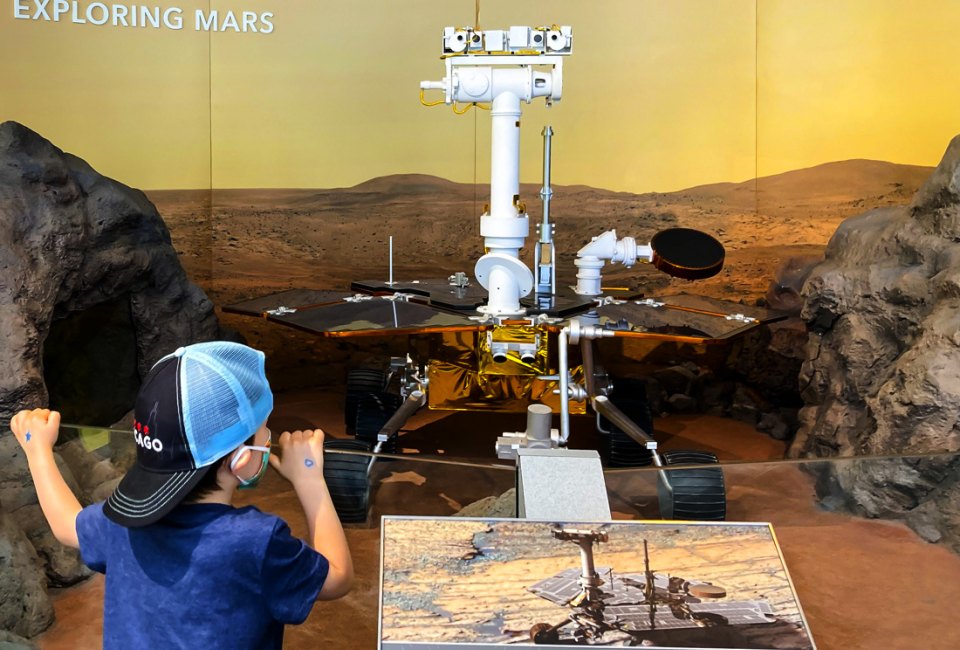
[[194, 407]]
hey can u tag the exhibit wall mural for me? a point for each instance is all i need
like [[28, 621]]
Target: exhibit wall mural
[[284, 142]]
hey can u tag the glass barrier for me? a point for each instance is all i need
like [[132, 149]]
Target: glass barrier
[[867, 541]]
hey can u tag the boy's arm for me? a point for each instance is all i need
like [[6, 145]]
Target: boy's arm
[[302, 464], [37, 431]]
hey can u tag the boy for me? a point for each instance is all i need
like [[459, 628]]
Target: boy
[[183, 567]]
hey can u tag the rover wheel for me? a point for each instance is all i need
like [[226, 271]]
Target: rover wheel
[[347, 479], [543, 633], [620, 450], [372, 412], [360, 383], [698, 494]]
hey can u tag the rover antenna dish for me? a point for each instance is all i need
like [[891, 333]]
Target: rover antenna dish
[[687, 253]]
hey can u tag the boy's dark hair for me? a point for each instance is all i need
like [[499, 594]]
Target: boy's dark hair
[[209, 483]]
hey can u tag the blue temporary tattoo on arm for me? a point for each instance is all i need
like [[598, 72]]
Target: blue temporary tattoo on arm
[[27, 436], [309, 462]]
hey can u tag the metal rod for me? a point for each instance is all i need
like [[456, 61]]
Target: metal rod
[[562, 344], [410, 406], [376, 450], [391, 261], [553, 270], [606, 408], [546, 193], [589, 579], [586, 352], [546, 269]]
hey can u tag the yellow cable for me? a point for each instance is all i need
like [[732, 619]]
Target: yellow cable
[[426, 103], [469, 106], [485, 53]]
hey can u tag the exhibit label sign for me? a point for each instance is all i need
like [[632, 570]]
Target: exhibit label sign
[[144, 16]]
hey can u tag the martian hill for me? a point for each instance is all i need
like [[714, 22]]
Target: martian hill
[[240, 243]]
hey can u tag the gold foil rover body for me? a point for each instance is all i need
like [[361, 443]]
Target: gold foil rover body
[[464, 376]]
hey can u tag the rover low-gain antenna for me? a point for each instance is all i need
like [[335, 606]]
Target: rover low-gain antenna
[[544, 251]]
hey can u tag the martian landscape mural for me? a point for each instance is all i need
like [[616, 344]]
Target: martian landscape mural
[[258, 240]]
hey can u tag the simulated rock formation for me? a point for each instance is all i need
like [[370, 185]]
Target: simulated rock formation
[[73, 242], [71, 239], [882, 375], [24, 607]]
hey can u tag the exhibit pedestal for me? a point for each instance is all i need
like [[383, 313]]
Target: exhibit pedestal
[[561, 485]]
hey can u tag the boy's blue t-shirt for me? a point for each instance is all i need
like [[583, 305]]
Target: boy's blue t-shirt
[[205, 576]]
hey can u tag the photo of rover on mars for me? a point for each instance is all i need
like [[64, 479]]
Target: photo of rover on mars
[[495, 582], [510, 336]]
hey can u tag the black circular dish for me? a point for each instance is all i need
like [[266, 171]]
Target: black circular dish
[[687, 253]]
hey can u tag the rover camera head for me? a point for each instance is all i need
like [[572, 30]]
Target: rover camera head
[[455, 40]]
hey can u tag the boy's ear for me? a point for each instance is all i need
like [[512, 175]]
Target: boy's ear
[[236, 461]]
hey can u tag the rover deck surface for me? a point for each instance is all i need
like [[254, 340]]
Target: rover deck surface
[[438, 306]]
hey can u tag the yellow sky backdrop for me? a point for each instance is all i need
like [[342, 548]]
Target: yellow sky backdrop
[[135, 103], [658, 95], [840, 79]]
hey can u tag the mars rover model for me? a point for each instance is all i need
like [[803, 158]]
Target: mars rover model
[[502, 339]]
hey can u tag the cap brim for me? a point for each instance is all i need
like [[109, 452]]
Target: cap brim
[[143, 496]]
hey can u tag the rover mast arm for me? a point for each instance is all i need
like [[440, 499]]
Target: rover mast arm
[[503, 68]]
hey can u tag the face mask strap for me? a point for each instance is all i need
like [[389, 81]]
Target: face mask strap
[[235, 459], [236, 454]]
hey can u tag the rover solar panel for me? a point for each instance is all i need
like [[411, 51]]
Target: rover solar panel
[[656, 318], [561, 588], [441, 293], [723, 307], [623, 589], [374, 314], [285, 301], [637, 619], [468, 297]]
